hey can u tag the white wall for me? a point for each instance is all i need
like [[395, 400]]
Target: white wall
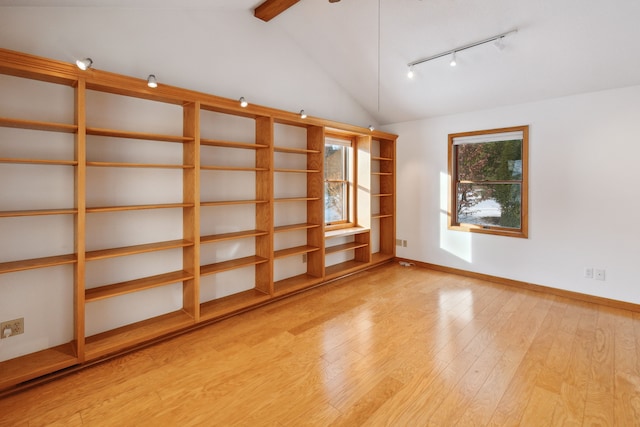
[[584, 201], [225, 53]]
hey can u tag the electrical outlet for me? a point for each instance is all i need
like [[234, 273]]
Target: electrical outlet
[[304, 258], [16, 326], [600, 274], [398, 242], [404, 243], [588, 273]]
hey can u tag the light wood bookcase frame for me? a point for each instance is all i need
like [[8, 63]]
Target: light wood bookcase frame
[[82, 348]]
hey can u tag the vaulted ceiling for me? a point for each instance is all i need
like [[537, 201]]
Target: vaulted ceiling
[[562, 47]]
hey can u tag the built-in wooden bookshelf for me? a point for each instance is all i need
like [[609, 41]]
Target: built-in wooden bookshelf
[[298, 158], [111, 340], [35, 209], [383, 204], [240, 223]]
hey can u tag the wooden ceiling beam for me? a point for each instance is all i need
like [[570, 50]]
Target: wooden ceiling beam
[[269, 9]]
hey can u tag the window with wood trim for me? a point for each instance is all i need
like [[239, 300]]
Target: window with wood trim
[[488, 174], [338, 182]]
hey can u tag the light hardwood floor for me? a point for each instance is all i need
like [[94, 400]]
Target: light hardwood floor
[[398, 346]]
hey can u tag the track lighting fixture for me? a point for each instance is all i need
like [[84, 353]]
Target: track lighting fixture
[[84, 64], [498, 39], [151, 81], [243, 102], [303, 115], [453, 61]]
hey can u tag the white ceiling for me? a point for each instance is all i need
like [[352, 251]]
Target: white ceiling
[[562, 47]]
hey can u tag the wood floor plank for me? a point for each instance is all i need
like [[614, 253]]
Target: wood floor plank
[[599, 409], [627, 377], [489, 353], [390, 346], [574, 379], [515, 399], [540, 408], [484, 402], [361, 411]]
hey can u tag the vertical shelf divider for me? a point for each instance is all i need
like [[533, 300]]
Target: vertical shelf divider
[[363, 181], [388, 204], [315, 208], [191, 215], [264, 211], [80, 179]]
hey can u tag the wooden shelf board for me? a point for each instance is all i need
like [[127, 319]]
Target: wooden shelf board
[[232, 303], [37, 125], [233, 168], [376, 216], [295, 199], [231, 236], [138, 207], [231, 144], [283, 253], [294, 150], [116, 340], [344, 247], [30, 366], [38, 212], [343, 232], [388, 159], [232, 202], [136, 249], [296, 170], [219, 267], [382, 195], [137, 135], [347, 267], [39, 161], [138, 165], [293, 227], [122, 288], [382, 173], [379, 257], [30, 264], [295, 283]]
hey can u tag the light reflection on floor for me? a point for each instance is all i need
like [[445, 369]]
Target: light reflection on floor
[[354, 331]]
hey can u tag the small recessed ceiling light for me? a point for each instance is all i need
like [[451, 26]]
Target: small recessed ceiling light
[[151, 81], [371, 128], [84, 64], [303, 115], [410, 73], [453, 62], [243, 102]]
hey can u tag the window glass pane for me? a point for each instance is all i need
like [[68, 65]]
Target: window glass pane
[[489, 204], [490, 161], [335, 199], [334, 162]]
